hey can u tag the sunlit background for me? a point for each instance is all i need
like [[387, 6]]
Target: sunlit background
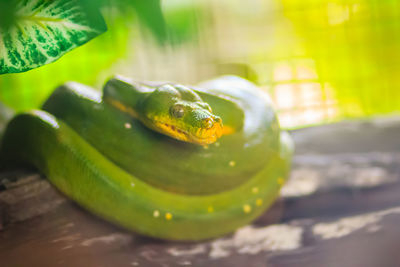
[[320, 61]]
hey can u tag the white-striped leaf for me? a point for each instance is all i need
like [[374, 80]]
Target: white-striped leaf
[[44, 31]]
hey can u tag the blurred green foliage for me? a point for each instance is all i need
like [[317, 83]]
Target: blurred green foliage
[[182, 19], [354, 45], [149, 13]]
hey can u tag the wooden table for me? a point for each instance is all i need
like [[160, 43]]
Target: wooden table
[[341, 207]]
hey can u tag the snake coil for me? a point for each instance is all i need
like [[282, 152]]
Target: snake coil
[[99, 151]]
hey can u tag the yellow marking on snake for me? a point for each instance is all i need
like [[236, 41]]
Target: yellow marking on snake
[[246, 208], [281, 181], [168, 216], [122, 107]]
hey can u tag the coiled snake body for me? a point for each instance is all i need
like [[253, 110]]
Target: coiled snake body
[[114, 155]]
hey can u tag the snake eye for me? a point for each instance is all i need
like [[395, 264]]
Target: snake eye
[[177, 111]]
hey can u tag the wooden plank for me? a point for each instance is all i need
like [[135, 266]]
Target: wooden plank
[[341, 207]]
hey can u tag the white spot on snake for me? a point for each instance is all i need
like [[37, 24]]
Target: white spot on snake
[[232, 163], [254, 190], [251, 240], [128, 125], [132, 184], [156, 214]]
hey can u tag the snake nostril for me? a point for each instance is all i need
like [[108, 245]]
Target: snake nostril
[[208, 123]]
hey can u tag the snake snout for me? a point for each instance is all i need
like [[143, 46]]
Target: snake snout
[[211, 129], [208, 123], [211, 122]]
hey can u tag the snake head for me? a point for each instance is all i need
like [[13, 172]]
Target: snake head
[[177, 111]]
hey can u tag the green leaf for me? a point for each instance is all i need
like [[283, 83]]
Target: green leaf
[[44, 31]]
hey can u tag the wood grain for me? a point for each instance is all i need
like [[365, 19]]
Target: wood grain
[[341, 207]]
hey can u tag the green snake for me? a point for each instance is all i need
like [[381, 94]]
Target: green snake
[[165, 160]]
